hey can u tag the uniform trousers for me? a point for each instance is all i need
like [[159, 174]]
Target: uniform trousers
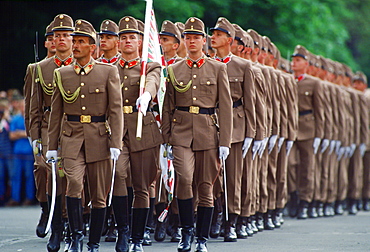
[[234, 172], [255, 184], [319, 169], [121, 174], [342, 181], [333, 173], [366, 176], [293, 162], [324, 178], [263, 192], [200, 166], [355, 173], [271, 178], [248, 185], [99, 177], [281, 178]]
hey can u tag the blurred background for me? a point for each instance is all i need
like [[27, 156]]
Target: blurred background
[[336, 29]]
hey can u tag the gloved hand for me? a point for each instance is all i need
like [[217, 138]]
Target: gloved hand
[[362, 149], [143, 101], [341, 152], [280, 143], [272, 142], [316, 144], [263, 146], [223, 152], [289, 145], [114, 153], [337, 146], [37, 147], [324, 145], [333, 143], [246, 145], [256, 146], [352, 150], [52, 154], [169, 153]]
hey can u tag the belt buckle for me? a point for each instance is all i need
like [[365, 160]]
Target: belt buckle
[[85, 119], [127, 109], [194, 109]]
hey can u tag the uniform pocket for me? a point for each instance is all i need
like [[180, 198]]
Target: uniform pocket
[[97, 92], [208, 86], [235, 85]]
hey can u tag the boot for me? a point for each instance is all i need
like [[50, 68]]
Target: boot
[[175, 230], [311, 211], [96, 227], [339, 209], [259, 221], [365, 204], [56, 226], [230, 226], [120, 208], [187, 224], [160, 228], [352, 207], [216, 219], [275, 216], [241, 227], [253, 224], [249, 227], [204, 217], [302, 210], [67, 235], [320, 209], [86, 227], [267, 221], [280, 215], [327, 210], [149, 224], [293, 204], [74, 209], [111, 234], [139, 219], [41, 226]]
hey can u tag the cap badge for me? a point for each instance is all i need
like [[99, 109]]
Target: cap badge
[[126, 26], [107, 22], [192, 20], [79, 22], [127, 19], [61, 16], [192, 27]]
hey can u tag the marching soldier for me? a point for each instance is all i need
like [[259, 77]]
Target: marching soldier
[[86, 103], [141, 157], [197, 86], [39, 173], [244, 118], [109, 42], [311, 128], [40, 107]]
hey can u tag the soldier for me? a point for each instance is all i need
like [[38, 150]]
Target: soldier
[[86, 97], [141, 157], [197, 85], [360, 83], [39, 173], [40, 107], [109, 41], [244, 118], [311, 128]]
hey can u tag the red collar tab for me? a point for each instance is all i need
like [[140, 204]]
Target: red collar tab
[[84, 70], [299, 78], [225, 60], [65, 62], [198, 63], [109, 61], [129, 64]]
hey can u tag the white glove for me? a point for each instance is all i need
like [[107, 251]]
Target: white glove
[[347, 152], [272, 142], [341, 152], [52, 154], [114, 153], [34, 145], [263, 146], [280, 143], [333, 143], [37, 147], [224, 152], [169, 151], [362, 149], [316, 144], [324, 145], [246, 145], [337, 146], [256, 146], [352, 149], [289, 145], [143, 101]]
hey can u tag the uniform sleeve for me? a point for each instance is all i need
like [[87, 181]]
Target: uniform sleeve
[[249, 98], [275, 91], [283, 108], [152, 81], [27, 88], [115, 114], [364, 120], [168, 110], [328, 129], [318, 107], [35, 115], [225, 107], [260, 106], [334, 106]]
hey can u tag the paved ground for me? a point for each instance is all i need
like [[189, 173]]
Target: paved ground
[[341, 233]]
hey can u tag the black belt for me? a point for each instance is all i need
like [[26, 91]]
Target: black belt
[[132, 109], [47, 108], [305, 112], [237, 103], [85, 118], [197, 110]]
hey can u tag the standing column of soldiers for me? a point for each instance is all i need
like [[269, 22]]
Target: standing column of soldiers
[[300, 137]]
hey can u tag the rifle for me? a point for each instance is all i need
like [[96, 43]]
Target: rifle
[[36, 47]]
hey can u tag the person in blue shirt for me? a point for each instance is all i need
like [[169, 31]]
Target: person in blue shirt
[[23, 157]]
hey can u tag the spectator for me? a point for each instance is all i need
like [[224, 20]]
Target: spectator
[[23, 157], [5, 149]]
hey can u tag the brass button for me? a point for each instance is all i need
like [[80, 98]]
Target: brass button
[[174, 119], [97, 90], [83, 108], [208, 82], [82, 84], [49, 84], [126, 66], [125, 77], [236, 79], [82, 96], [126, 88], [181, 83], [194, 98], [194, 87], [68, 92], [55, 85], [126, 100], [83, 73], [64, 131], [194, 76], [306, 93], [195, 65]]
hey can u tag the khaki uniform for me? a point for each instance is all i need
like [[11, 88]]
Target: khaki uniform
[[194, 137], [85, 145], [366, 159]]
